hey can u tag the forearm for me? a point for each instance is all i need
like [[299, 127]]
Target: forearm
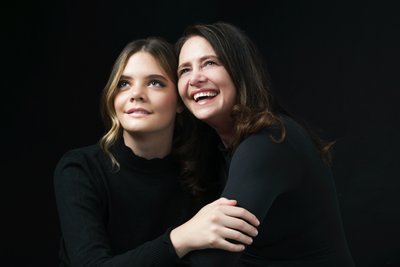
[[156, 252]]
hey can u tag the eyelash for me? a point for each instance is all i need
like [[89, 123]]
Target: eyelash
[[208, 62], [153, 83], [122, 83], [183, 71], [157, 83]]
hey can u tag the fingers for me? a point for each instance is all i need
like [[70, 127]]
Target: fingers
[[234, 235], [233, 217], [240, 225], [236, 211], [241, 213], [224, 201], [228, 246], [220, 224]]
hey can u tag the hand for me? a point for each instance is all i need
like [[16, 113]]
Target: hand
[[213, 225]]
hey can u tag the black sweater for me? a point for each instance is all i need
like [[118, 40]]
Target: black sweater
[[292, 193], [119, 218]]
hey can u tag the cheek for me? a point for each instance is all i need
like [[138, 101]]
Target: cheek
[[232, 97], [168, 103], [229, 86], [182, 87], [118, 100], [232, 90]]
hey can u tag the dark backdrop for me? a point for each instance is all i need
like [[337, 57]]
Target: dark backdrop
[[335, 64]]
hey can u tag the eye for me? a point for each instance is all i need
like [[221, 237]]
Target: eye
[[182, 71], [209, 62], [123, 84], [156, 83]]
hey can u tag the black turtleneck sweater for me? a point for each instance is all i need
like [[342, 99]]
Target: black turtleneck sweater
[[118, 218], [292, 192]]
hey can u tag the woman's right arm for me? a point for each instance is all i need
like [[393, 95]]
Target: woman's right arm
[[82, 210]]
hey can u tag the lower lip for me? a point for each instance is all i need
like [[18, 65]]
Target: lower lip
[[205, 101], [138, 114]]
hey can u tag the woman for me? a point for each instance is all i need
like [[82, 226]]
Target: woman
[[277, 170], [119, 199]]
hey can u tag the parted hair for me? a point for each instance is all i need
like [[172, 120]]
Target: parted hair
[[163, 52], [255, 107]]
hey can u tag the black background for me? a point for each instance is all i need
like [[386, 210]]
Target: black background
[[334, 63]]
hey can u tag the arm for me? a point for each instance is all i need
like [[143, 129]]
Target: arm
[[82, 207], [260, 171]]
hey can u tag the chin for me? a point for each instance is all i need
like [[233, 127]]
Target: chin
[[201, 116]]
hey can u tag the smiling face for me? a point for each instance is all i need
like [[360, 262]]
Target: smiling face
[[147, 101], [204, 84]]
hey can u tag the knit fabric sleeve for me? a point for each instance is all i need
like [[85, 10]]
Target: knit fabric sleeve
[[81, 204], [260, 170]]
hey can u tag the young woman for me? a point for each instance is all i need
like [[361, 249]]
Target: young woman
[[276, 169], [118, 200]]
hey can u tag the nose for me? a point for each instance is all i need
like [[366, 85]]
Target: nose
[[141, 99], [197, 78], [137, 94]]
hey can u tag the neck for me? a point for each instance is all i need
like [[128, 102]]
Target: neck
[[148, 146], [225, 131], [226, 139]]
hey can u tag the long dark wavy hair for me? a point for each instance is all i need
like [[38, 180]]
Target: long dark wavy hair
[[255, 107]]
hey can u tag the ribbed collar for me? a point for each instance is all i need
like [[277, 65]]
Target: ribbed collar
[[130, 160]]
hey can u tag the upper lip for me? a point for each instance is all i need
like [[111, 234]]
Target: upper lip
[[131, 110]]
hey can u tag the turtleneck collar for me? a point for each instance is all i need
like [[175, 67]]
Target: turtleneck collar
[[129, 159]]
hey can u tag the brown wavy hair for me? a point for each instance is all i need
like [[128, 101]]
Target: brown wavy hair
[[185, 123], [255, 107]]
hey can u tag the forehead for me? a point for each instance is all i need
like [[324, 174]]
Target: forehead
[[195, 47], [142, 63]]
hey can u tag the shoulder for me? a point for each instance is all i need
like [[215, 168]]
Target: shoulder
[[295, 142], [262, 151], [261, 161], [81, 155], [300, 141], [264, 145], [79, 162]]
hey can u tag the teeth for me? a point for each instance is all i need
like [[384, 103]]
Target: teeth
[[203, 94]]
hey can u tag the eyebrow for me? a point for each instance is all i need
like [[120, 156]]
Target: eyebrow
[[148, 77], [200, 59], [156, 76], [124, 77]]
